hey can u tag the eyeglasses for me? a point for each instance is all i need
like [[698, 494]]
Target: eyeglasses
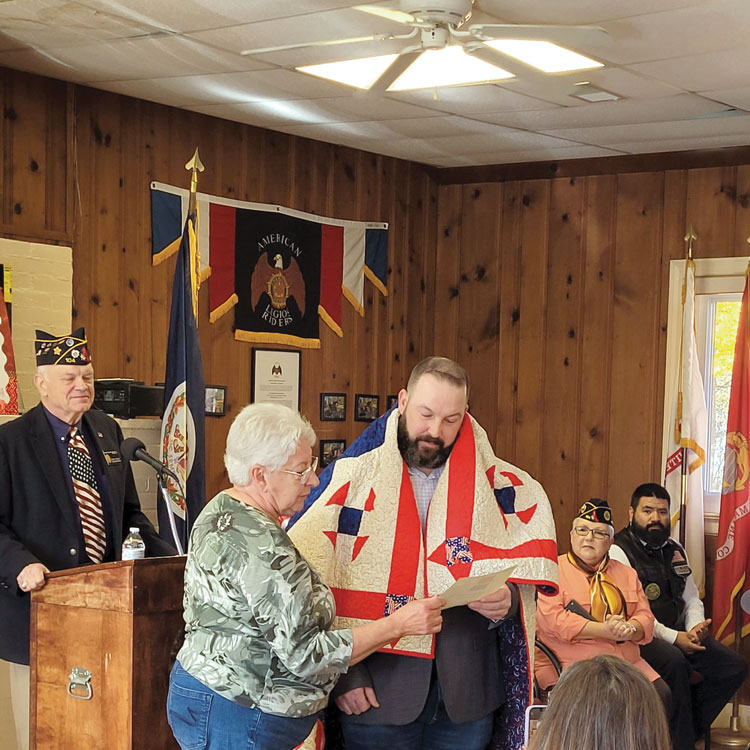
[[585, 531], [303, 476]]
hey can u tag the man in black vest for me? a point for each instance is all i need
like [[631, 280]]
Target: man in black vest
[[702, 673]]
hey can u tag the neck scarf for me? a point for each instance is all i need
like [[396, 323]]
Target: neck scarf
[[604, 594]]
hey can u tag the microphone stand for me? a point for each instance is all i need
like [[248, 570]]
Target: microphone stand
[[160, 480]]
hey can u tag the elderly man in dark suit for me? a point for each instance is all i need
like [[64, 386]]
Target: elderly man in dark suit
[[66, 496]]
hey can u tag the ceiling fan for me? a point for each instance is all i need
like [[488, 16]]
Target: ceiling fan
[[438, 24]]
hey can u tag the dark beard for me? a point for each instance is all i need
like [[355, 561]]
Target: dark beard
[[654, 535], [409, 448]]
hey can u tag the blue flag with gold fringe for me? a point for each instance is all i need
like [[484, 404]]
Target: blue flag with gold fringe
[[183, 423]]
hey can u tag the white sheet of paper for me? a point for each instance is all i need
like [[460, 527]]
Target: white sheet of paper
[[466, 590]]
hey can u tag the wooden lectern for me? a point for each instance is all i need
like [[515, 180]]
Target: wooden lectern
[[101, 637]]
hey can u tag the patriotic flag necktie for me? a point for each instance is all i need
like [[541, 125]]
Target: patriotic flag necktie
[[87, 496]]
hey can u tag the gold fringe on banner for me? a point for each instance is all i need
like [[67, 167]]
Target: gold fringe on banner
[[353, 301], [167, 252], [223, 308], [276, 338], [376, 282], [330, 322]]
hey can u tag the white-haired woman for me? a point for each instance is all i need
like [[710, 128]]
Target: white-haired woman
[[259, 659]]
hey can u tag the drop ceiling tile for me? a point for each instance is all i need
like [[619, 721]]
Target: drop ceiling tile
[[51, 23], [127, 58], [467, 100], [682, 144], [525, 155], [322, 26], [502, 140], [211, 14], [622, 112], [344, 109], [296, 112], [703, 28], [726, 69], [225, 88], [433, 127], [577, 11], [735, 97], [738, 125]]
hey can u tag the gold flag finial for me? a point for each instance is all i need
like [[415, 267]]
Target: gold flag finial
[[690, 237], [194, 166]]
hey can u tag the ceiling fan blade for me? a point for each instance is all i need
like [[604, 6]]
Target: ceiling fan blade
[[562, 35], [394, 70], [390, 13], [329, 43]]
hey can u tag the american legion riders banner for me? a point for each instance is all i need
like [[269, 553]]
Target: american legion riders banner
[[281, 270]]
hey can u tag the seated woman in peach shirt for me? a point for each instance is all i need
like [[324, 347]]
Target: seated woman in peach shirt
[[600, 607]]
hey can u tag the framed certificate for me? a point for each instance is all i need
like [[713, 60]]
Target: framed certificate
[[275, 377]]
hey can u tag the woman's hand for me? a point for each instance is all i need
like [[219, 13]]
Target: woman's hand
[[621, 629], [419, 617]]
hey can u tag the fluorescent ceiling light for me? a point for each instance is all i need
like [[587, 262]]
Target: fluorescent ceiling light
[[449, 66], [544, 55], [361, 73]]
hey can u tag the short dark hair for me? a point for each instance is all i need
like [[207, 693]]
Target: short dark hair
[[648, 489], [443, 369]]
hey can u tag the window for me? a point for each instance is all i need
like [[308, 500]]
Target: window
[[718, 315]]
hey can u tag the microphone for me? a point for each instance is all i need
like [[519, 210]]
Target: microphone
[[133, 449]]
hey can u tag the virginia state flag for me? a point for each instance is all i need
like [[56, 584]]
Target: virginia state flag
[[733, 541], [183, 423]]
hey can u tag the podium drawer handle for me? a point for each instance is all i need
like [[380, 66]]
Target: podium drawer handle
[[80, 684]]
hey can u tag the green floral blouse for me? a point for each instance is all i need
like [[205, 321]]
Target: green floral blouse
[[256, 615]]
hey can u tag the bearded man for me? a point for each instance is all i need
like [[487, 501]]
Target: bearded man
[[417, 502], [702, 673]]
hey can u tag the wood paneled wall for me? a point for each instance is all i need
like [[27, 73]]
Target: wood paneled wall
[[76, 168], [553, 292]]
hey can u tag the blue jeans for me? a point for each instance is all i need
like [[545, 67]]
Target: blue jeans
[[201, 719], [431, 730]]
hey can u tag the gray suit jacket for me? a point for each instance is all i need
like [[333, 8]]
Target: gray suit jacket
[[468, 663]]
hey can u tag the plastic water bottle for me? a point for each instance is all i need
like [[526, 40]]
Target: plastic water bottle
[[133, 548]]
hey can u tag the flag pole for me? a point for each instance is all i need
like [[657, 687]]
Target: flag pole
[[735, 736], [690, 237]]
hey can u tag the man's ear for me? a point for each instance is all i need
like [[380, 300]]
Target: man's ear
[[40, 384], [403, 397], [631, 513]]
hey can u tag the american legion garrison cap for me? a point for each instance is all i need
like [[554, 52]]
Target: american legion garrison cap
[[596, 510], [71, 349]]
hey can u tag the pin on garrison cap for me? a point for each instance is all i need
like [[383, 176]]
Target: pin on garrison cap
[[71, 349], [597, 511]]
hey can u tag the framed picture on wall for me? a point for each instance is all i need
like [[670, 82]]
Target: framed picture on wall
[[366, 407], [391, 401], [330, 450], [216, 400], [332, 407], [275, 377]]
